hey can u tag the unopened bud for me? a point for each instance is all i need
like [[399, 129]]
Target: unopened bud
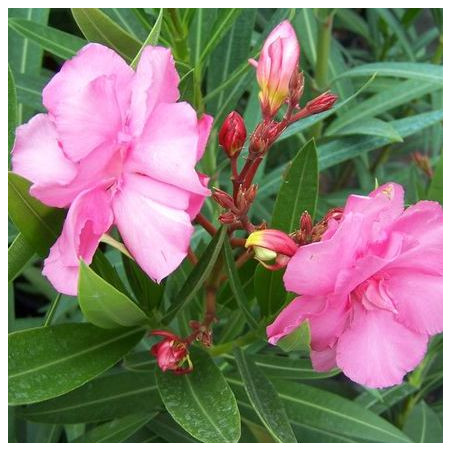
[[232, 135], [423, 162], [321, 103], [250, 194], [304, 234], [222, 198], [227, 218]]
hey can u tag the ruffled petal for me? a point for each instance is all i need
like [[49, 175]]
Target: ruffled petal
[[204, 126], [418, 298], [376, 350], [168, 148], [422, 228], [314, 268], [155, 233], [90, 63], [155, 81], [88, 218], [37, 156]]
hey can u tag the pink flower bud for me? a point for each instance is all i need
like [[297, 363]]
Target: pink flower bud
[[321, 103], [171, 353], [269, 244], [232, 134], [277, 63]]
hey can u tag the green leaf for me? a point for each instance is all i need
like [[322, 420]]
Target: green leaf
[[130, 20], [236, 285], [423, 425], [101, 399], [353, 21], [397, 28], [264, 399], [371, 126], [317, 415], [198, 275], [164, 426], [147, 292], [341, 149], [12, 109], [40, 225], [201, 402], [151, 40], [382, 400], [298, 340], [49, 361], [435, 190], [400, 94], [20, 253], [139, 362], [299, 191], [103, 305], [223, 22], [116, 431], [29, 89], [287, 368], [96, 26], [432, 73], [57, 42]]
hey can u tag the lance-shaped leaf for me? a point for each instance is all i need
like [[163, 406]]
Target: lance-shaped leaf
[[201, 402], [264, 399], [423, 425], [298, 193], [198, 275], [96, 26], [57, 42], [116, 431], [20, 253], [49, 361], [103, 305], [40, 225], [101, 399], [12, 109]]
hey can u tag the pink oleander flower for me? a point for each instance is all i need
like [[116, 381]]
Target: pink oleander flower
[[371, 289], [117, 149], [277, 63]]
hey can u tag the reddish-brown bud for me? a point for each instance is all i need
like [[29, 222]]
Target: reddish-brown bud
[[423, 162], [321, 103], [227, 218], [222, 198], [232, 134], [250, 194], [304, 235]]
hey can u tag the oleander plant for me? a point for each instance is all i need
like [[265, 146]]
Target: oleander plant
[[225, 225]]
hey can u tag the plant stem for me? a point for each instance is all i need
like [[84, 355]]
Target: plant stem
[[212, 230], [52, 310]]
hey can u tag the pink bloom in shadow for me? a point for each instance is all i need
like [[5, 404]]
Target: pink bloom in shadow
[[371, 289], [116, 148]]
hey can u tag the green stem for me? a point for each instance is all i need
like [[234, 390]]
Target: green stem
[[52, 310], [179, 36]]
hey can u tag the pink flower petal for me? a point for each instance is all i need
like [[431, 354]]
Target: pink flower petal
[[376, 350], [37, 155], [90, 119], [418, 298], [204, 126], [155, 81], [325, 360], [88, 218], [157, 235], [196, 201], [91, 62], [314, 267], [167, 151]]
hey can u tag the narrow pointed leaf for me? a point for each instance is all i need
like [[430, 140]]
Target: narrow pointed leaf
[[264, 399], [103, 305], [373, 127], [236, 285], [40, 225], [423, 425], [98, 27], [101, 399], [201, 402], [49, 361], [12, 109], [20, 253]]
